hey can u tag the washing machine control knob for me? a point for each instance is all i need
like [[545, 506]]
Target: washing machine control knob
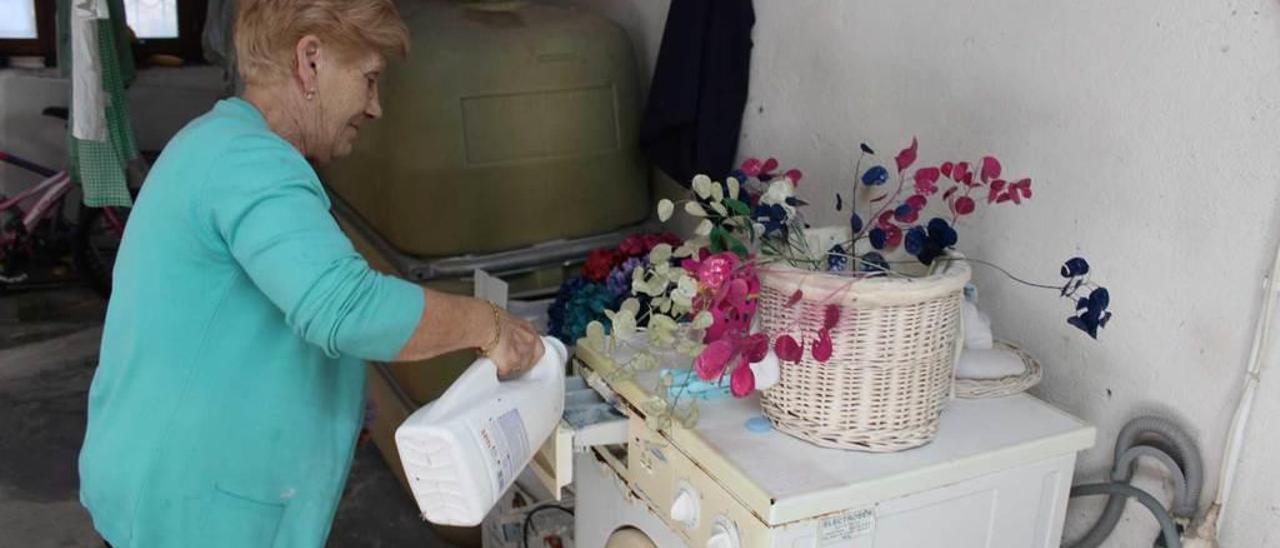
[[724, 534], [684, 508]]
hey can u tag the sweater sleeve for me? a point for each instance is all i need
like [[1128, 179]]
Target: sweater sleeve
[[266, 205]]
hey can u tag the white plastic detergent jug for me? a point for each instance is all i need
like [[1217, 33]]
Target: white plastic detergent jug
[[463, 450]]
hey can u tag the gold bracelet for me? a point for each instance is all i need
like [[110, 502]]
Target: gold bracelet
[[497, 332]]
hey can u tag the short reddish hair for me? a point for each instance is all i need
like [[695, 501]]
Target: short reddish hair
[[267, 31]]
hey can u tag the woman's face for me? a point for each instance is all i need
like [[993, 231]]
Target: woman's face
[[346, 96]]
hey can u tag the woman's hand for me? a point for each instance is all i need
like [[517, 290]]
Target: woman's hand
[[519, 347]]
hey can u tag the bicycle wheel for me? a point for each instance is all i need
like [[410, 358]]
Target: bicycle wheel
[[97, 240]]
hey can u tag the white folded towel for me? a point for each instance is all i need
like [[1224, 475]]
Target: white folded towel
[[987, 364]]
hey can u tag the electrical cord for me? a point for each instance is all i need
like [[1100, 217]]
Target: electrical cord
[[528, 521]]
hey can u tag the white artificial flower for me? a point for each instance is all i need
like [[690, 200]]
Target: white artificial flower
[[778, 192], [660, 254], [595, 335], [702, 186], [702, 321], [665, 209], [686, 289], [623, 321]]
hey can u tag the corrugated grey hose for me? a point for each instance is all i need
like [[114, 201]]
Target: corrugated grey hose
[[1151, 436], [1122, 490]]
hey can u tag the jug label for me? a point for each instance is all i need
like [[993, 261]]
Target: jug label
[[508, 445]]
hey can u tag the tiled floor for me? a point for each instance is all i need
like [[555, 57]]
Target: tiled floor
[[48, 349]]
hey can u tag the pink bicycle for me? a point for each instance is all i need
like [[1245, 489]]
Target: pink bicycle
[[40, 230]]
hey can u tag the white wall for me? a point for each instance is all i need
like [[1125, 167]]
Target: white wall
[[161, 101], [1150, 131]]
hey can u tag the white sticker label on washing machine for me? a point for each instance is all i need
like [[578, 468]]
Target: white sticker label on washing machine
[[841, 529]]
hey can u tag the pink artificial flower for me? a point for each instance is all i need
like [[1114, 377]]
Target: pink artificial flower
[[711, 362], [755, 347], [743, 380], [787, 349], [927, 180], [717, 269], [769, 165], [917, 202], [794, 175], [1023, 187], [830, 316], [962, 174], [732, 309], [751, 167], [993, 192], [907, 156], [893, 236], [822, 347], [721, 319], [990, 168], [964, 205]]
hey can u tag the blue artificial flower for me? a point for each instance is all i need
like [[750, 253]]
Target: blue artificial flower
[[1075, 266], [1074, 270], [874, 262], [837, 258], [578, 303], [773, 217], [867, 149], [1092, 313], [942, 230], [839, 202], [855, 223], [557, 312], [619, 280], [878, 237], [915, 240], [875, 176], [928, 244]]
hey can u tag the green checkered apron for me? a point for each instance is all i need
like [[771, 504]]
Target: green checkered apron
[[99, 166]]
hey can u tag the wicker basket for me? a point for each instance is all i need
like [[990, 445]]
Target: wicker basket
[[895, 349], [973, 389]]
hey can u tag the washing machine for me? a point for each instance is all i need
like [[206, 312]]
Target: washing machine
[[997, 475]]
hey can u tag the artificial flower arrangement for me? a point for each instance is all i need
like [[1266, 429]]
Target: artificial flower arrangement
[[601, 285], [699, 298]]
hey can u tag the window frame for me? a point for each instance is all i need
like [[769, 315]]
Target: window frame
[[191, 16], [46, 41]]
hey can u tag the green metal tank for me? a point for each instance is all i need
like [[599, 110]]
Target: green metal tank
[[509, 124]]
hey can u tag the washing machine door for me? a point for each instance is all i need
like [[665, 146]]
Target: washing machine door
[[629, 538]]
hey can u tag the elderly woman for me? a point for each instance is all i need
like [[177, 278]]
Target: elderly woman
[[230, 389]]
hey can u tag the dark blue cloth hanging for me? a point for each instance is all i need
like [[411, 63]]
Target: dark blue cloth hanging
[[694, 114]]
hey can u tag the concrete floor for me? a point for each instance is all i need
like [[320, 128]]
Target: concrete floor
[[48, 349]]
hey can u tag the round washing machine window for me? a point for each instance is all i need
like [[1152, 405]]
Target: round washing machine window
[[629, 537]]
